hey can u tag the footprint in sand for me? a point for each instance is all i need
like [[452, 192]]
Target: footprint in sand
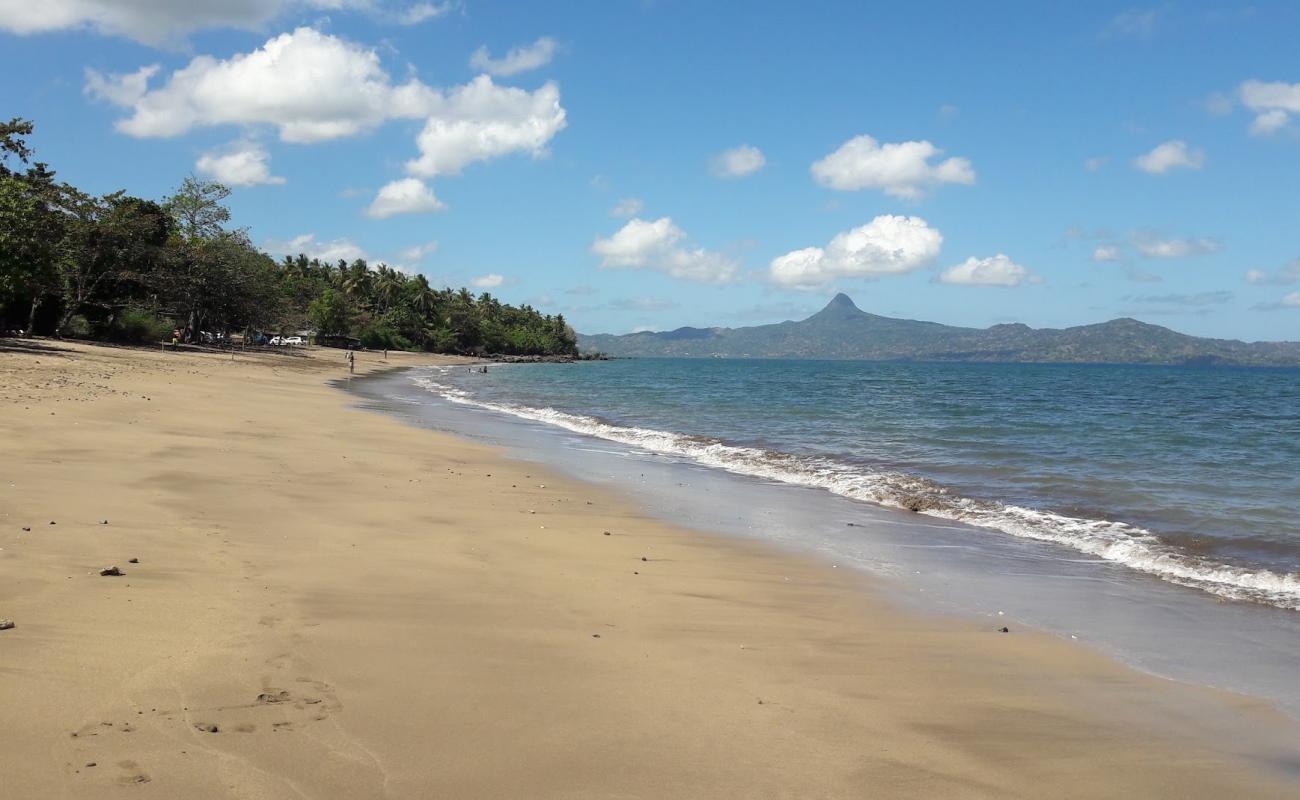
[[134, 774]]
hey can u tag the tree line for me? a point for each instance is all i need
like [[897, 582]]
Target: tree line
[[123, 268]]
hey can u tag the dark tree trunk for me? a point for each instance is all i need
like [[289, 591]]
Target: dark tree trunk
[[31, 316]]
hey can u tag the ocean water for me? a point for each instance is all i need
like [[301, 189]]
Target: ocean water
[[1189, 476]]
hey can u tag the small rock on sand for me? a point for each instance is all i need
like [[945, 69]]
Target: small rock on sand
[[6, 624], [207, 727], [111, 572], [1004, 630], [133, 561]]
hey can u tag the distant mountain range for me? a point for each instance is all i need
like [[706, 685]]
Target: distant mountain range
[[843, 331]]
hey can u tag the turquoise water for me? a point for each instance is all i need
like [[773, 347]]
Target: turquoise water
[[1189, 475]]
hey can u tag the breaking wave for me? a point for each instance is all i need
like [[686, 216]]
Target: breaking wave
[[1118, 542]]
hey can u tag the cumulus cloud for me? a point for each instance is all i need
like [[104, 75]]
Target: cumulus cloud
[[315, 87], [1288, 274], [307, 244], [1268, 122], [123, 90], [1106, 252], [416, 253], [405, 196], [737, 162], [663, 247], [310, 85], [422, 12], [1272, 101], [1152, 247], [489, 281], [998, 270], [481, 121], [1174, 154], [517, 60], [903, 169], [158, 22], [887, 245], [1292, 300], [241, 163], [627, 207]]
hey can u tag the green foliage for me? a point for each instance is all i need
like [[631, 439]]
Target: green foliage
[[76, 327], [329, 313], [133, 269], [381, 336], [139, 327]]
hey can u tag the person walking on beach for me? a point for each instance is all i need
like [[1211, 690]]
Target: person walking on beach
[[352, 362]]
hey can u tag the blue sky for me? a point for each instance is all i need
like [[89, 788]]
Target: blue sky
[[655, 164]]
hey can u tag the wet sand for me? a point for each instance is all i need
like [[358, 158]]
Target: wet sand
[[329, 604]]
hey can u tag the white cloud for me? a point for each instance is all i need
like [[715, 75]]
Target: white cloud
[[662, 246], [314, 87], [738, 162], [1106, 252], [517, 60], [627, 207], [404, 196], [489, 281], [887, 245], [1175, 248], [480, 121], [307, 244], [998, 270], [121, 90], [422, 12], [1288, 274], [1273, 103], [1096, 163], [311, 86], [158, 22], [1292, 300], [901, 170], [1269, 122], [416, 253], [241, 163], [1173, 154]]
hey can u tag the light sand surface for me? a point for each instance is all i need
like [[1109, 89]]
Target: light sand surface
[[331, 604]]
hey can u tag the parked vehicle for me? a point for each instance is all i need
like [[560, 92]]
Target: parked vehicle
[[277, 340], [293, 341]]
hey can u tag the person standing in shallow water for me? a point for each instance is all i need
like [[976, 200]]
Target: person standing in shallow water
[[352, 362]]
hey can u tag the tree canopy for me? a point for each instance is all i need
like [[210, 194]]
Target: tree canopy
[[123, 267]]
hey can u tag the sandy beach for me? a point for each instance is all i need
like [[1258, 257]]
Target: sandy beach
[[318, 601]]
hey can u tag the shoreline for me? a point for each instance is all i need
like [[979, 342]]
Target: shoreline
[[406, 625], [1155, 626]]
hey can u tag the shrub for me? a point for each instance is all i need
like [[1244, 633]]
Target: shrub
[[378, 336], [77, 327], [140, 327]]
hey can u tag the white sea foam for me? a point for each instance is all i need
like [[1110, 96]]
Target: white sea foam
[[1129, 545]]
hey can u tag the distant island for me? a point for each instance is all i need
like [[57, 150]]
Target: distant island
[[843, 331]]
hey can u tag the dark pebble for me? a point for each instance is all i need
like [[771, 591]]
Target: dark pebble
[[133, 561], [1004, 630]]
